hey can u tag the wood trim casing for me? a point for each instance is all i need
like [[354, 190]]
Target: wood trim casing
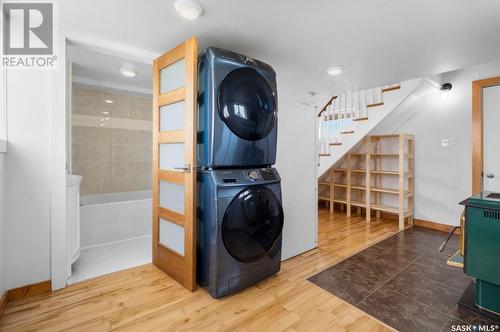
[[434, 225], [28, 291], [477, 129], [3, 303]]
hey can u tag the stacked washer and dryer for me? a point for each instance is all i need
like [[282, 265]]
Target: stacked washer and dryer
[[240, 216]]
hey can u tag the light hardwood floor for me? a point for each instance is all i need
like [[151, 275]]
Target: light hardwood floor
[[144, 298]]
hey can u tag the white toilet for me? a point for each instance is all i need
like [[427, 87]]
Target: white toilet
[[72, 219]]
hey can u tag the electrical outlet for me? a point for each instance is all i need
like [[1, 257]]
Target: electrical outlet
[[448, 143]]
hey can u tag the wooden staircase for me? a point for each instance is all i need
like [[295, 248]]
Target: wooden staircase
[[341, 113]]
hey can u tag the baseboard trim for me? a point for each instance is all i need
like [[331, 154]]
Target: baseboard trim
[[434, 225], [3, 303], [28, 291]]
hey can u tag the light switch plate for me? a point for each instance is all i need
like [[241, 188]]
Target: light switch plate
[[448, 143]]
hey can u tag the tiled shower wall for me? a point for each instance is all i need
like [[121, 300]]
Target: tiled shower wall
[[111, 142]]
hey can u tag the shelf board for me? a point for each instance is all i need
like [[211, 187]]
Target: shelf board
[[384, 172], [340, 185], [358, 170], [324, 183], [358, 187], [340, 170], [388, 209], [358, 203], [375, 154], [339, 200], [323, 198], [390, 191]]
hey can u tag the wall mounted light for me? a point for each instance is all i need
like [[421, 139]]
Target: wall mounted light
[[445, 90]]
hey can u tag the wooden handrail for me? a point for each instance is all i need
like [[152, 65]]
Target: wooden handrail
[[327, 104]]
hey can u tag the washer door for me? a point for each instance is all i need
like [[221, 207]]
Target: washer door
[[247, 104], [252, 224]]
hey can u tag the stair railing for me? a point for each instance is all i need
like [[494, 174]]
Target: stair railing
[[341, 112]]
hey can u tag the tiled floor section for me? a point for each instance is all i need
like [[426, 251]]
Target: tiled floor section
[[404, 282], [112, 257]]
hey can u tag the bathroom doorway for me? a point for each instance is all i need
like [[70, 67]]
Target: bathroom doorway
[[109, 154]]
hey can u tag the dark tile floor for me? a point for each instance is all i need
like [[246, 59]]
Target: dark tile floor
[[404, 282]]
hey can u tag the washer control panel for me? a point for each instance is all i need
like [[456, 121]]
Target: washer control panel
[[241, 176]]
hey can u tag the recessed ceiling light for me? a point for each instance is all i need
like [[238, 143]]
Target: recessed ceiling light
[[101, 124], [109, 101], [127, 71], [334, 70], [102, 120], [188, 9], [105, 113]]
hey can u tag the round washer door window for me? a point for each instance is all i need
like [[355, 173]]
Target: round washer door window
[[252, 224], [247, 104]]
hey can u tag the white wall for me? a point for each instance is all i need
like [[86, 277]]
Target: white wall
[[26, 205], [296, 164], [2, 249], [442, 175]]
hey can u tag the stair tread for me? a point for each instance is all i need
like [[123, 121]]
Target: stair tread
[[391, 88], [361, 119], [374, 105]]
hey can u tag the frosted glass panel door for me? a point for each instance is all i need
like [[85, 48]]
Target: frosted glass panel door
[[174, 171]]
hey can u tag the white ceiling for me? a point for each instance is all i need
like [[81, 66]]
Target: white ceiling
[[377, 41], [101, 69]]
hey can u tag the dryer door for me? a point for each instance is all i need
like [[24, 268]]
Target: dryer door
[[247, 104], [252, 224]]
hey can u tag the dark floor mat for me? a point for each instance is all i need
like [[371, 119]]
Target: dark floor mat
[[403, 281]]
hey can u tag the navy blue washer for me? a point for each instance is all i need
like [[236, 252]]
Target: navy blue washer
[[240, 222]]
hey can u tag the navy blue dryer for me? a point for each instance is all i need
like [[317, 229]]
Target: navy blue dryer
[[237, 111], [240, 222]]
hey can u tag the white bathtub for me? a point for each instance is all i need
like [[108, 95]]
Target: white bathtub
[[114, 217]]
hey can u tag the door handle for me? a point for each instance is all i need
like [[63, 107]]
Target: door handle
[[490, 175], [186, 168]]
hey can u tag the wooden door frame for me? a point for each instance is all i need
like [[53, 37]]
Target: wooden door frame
[[59, 140], [478, 129]]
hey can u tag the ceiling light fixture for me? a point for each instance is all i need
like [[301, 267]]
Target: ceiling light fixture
[[188, 9], [445, 90], [335, 70], [109, 101], [105, 113], [127, 71]]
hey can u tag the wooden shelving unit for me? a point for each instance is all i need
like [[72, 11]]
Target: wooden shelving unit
[[377, 177]]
